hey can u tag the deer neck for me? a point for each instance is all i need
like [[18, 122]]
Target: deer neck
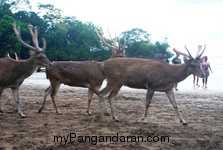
[[28, 66], [181, 72]]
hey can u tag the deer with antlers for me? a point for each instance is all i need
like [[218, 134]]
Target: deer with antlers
[[86, 74], [152, 75], [13, 72]]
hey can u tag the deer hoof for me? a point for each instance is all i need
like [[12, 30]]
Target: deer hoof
[[89, 113], [59, 113], [116, 119], [144, 122], [185, 124], [23, 116]]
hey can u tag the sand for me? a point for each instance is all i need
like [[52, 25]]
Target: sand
[[75, 129]]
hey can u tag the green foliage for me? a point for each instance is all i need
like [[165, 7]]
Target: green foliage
[[162, 48], [6, 37], [67, 38], [138, 44]]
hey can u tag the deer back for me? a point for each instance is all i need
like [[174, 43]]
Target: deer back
[[76, 73]]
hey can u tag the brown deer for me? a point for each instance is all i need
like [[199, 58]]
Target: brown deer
[[86, 74], [152, 75], [13, 72]]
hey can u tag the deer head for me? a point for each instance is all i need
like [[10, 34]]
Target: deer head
[[37, 53], [193, 63], [117, 49]]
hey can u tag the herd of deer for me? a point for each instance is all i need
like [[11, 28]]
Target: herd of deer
[[150, 74]]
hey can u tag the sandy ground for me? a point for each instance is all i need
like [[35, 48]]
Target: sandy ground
[[74, 129]]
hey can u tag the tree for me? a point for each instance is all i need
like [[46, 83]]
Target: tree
[[138, 43], [67, 38], [51, 15], [162, 48], [16, 5]]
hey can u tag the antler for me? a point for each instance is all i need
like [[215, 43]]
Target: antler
[[189, 55], [8, 55], [17, 33], [114, 40], [102, 39], [34, 37], [181, 53], [124, 44], [199, 48], [16, 56], [117, 50]]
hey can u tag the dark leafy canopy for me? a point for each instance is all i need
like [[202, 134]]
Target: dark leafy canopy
[[67, 38], [138, 43]]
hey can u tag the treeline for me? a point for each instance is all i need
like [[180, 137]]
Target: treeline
[[67, 38]]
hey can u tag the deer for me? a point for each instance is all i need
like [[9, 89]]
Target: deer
[[150, 74], [13, 72], [85, 74]]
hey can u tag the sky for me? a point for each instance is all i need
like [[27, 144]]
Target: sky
[[183, 22]]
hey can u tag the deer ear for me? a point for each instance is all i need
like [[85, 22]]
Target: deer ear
[[185, 60]]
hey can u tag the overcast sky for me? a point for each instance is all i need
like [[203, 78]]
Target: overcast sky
[[183, 22]]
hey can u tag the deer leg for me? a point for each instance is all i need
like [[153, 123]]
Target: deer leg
[[111, 98], [46, 93], [15, 92], [54, 91], [90, 95], [149, 96], [102, 93], [96, 91], [194, 80], [1, 90], [170, 95]]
